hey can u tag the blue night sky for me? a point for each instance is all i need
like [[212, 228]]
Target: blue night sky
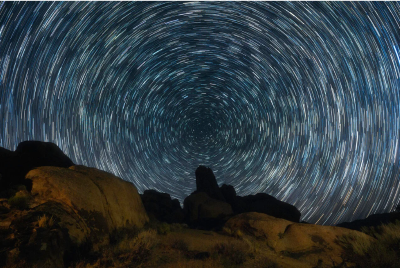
[[299, 100]]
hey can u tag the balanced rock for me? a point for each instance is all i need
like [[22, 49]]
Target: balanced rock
[[206, 183], [306, 242], [93, 202], [161, 207]]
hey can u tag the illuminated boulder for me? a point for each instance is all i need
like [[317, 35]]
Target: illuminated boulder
[[99, 200]]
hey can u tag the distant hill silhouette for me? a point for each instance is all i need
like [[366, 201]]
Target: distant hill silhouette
[[373, 220]]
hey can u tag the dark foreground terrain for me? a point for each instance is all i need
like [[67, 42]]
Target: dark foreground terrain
[[54, 213]]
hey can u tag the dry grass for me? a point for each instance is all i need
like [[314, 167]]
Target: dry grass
[[145, 241], [232, 254], [127, 252], [384, 252], [45, 221], [20, 202], [184, 263], [234, 233]]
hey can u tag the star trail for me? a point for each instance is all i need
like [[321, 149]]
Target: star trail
[[298, 100]]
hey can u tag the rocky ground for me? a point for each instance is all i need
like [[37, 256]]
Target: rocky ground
[[57, 214]]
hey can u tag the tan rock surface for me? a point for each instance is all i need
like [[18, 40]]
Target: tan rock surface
[[103, 201], [308, 243]]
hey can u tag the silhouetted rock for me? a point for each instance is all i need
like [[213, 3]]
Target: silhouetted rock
[[206, 183], [228, 192], [372, 221], [28, 155], [238, 205], [162, 207], [206, 211], [264, 203], [101, 201]]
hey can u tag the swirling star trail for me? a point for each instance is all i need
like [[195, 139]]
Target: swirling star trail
[[298, 100]]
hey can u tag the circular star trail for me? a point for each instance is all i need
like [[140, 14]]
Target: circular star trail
[[297, 100]]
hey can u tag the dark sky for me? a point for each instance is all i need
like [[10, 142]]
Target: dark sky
[[298, 100]]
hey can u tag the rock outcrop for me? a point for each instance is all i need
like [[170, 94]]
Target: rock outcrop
[[200, 206], [28, 155], [206, 183], [306, 242], [160, 206], [261, 202], [66, 210], [101, 200], [264, 203]]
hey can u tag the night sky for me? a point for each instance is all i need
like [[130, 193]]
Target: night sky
[[298, 100]]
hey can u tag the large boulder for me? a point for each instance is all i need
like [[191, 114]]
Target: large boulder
[[206, 183], [29, 155], [199, 207], [93, 202], [161, 207], [307, 242]]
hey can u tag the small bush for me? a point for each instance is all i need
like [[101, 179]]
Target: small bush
[[163, 228], [231, 254], [383, 252], [178, 226], [227, 231], [180, 244], [21, 187], [235, 233], [46, 221], [20, 202], [120, 234], [138, 249], [238, 234]]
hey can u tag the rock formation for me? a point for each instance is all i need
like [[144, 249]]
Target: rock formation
[[67, 209], [262, 203], [28, 155], [160, 206], [199, 206], [103, 201], [206, 183], [308, 243]]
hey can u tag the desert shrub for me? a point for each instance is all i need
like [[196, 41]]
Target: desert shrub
[[180, 244], [123, 233], [235, 233], [45, 221], [384, 251], [238, 234], [163, 228], [21, 187], [20, 202], [232, 253], [227, 231], [266, 262], [178, 226], [138, 249]]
